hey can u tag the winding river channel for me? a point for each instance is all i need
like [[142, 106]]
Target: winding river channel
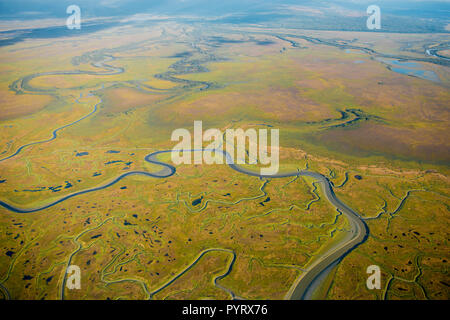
[[308, 281], [54, 134]]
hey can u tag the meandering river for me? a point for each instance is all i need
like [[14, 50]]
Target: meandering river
[[307, 282]]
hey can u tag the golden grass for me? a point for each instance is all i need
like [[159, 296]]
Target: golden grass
[[14, 106]]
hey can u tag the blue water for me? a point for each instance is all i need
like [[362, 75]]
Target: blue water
[[80, 154], [404, 64], [54, 133], [423, 74], [411, 69]]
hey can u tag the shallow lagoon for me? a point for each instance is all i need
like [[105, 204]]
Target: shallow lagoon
[[410, 69]]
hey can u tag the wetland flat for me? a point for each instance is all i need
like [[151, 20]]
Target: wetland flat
[[87, 177]]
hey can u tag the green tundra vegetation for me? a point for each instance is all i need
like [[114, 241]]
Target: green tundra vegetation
[[380, 136]]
